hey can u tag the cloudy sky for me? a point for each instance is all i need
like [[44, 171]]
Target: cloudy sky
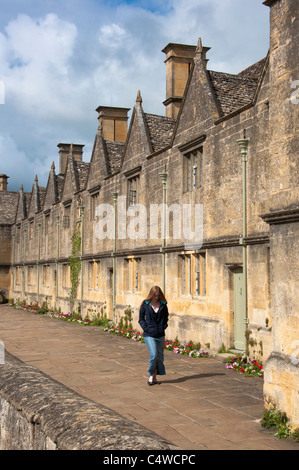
[[61, 59]]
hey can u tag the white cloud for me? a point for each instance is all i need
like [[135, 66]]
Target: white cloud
[[20, 163], [112, 35], [35, 68], [58, 66]]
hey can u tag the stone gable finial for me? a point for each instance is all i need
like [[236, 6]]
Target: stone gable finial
[[199, 46], [138, 99], [201, 51]]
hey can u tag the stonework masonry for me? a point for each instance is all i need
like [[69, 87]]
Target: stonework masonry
[[228, 144], [38, 413]]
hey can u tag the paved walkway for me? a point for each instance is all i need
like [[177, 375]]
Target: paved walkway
[[199, 404]]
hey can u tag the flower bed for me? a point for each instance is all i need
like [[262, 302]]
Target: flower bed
[[188, 349], [130, 333], [245, 366], [70, 317]]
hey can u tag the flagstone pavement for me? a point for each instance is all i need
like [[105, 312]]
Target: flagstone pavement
[[199, 405]]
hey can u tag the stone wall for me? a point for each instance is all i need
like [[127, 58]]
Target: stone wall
[[5, 257], [281, 387], [38, 413]]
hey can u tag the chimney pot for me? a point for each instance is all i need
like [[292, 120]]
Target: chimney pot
[[3, 182], [76, 150], [179, 58], [113, 123]]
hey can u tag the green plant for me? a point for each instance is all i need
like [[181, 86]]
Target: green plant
[[223, 350], [262, 350], [125, 322], [276, 420], [295, 434], [75, 264], [97, 320], [247, 336]]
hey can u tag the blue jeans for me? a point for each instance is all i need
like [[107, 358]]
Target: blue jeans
[[156, 349]]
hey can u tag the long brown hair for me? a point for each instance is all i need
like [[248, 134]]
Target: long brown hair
[[152, 293]]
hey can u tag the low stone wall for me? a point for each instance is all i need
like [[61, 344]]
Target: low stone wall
[[38, 413]]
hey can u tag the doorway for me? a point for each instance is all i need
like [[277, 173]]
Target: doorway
[[239, 309]]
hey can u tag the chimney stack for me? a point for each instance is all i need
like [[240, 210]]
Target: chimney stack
[[69, 149], [3, 182], [179, 58], [113, 123]]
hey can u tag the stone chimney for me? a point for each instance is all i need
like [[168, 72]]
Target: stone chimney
[[69, 149], [113, 123], [283, 101], [3, 182], [179, 58]]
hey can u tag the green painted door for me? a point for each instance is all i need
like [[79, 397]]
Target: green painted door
[[239, 310]]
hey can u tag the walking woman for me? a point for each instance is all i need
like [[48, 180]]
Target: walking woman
[[153, 319]]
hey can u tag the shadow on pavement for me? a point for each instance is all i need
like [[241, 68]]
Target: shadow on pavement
[[189, 377]]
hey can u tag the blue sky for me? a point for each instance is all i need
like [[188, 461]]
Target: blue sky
[[60, 60]]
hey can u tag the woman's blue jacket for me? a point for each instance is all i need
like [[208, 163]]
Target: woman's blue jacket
[[153, 324]]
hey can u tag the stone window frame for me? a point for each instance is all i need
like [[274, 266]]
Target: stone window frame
[[47, 215], [66, 219], [133, 186], [18, 275], [193, 156], [30, 275], [46, 272], [94, 200], [193, 267], [66, 275], [31, 229], [94, 271], [133, 274]]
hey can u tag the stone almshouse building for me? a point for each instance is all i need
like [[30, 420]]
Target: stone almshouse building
[[228, 143]]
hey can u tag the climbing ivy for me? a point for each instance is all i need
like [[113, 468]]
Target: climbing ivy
[[75, 264]]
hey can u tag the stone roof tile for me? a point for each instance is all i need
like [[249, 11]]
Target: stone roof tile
[[235, 91], [115, 151], [81, 169], [160, 130], [8, 206]]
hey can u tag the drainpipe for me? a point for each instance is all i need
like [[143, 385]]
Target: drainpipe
[[114, 195], [38, 258], [243, 144], [13, 262], [163, 177], [81, 250], [57, 257]]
